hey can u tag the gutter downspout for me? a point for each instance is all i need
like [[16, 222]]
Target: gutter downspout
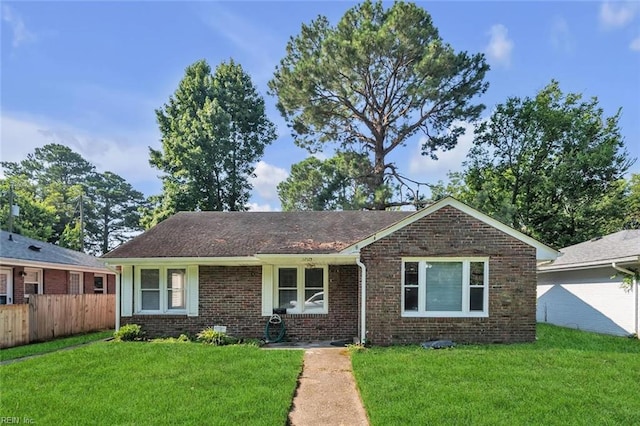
[[634, 284], [363, 300]]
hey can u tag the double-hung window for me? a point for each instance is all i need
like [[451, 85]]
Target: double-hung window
[[301, 290], [32, 281], [75, 283], [445, 287], [161, 290], [100, 283]]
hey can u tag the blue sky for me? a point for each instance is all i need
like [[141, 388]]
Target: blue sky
[[90, 74]]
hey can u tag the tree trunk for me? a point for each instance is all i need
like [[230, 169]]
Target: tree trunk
[[105, 228], [378, 176]]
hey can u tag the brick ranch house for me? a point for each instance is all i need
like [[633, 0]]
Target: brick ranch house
[[390, 277], [29, 266]]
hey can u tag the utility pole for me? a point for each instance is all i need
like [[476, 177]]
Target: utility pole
[[10, 208], [81, 224]]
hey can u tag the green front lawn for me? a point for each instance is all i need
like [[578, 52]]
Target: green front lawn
[[53, 345], [152, 383], [566, 377]]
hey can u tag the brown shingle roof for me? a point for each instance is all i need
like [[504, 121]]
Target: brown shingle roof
[[238, 234]]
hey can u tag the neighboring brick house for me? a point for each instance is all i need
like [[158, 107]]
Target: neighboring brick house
[[29, 266], [444, 272]]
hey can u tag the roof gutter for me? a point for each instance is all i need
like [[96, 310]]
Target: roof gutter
[[634, 284], [544, 267], [363, 300], [8, 261]]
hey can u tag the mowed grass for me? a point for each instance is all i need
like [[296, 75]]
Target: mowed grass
[[53, 345], [152, 384], [567, 377]]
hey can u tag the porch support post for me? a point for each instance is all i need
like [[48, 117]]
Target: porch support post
[[118, 293]]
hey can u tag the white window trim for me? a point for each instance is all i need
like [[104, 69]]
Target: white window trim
[[40, 280], [9, 273], [300, 288], [104, 283], [465, 313], [164, 310], [80, 281]]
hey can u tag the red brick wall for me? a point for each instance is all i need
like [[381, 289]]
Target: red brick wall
[[55, 281], [450, 232], [89, 284], [111, 284], [232, 296], [18, 285]]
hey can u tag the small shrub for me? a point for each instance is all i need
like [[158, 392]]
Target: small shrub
[[129, 333], [356, 347], [183, 338], [210, 336], [251, 342]]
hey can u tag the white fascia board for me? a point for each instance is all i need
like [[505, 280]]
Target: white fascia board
[[47, 265], [624, 261], [213, 261], [543, 252], [259, 259], [313, 258]]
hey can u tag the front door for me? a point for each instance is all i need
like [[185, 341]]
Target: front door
[[6, 286]]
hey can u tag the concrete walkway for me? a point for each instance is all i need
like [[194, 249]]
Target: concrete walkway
[[327, 393]]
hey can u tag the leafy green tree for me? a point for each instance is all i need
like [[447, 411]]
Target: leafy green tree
[[550, 166], [58, 176], [36, 218], [372, 82], [454, 187], [73, 236], [51, 184], [632, 203], [214, 131], [338, 183]]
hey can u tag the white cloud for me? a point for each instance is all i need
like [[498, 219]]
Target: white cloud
[[424, 169], [267, 179], [635, 44], [561, 38], [500, 46], [20, 32], [126, 156], [255, 207], [617, 14]]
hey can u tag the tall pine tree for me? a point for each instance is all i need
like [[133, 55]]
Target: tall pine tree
[[373, 81]]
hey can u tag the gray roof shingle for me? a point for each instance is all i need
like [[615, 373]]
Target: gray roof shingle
[[620, 245], [240, 234], [17, 248]]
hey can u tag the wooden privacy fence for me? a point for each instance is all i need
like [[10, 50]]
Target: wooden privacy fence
[[14, 325], [48, 316]]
